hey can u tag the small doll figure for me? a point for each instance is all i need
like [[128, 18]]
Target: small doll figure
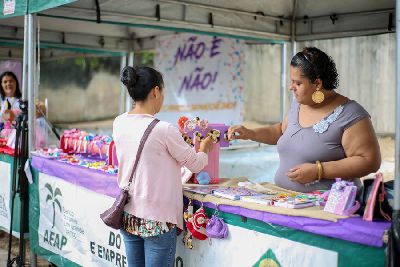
[[203, 124], [187, 139], [8, 115], [190, 125], [215, 135], [226, 138], [198, 136]]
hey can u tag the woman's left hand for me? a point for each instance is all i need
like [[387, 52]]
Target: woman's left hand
[[303, 173]]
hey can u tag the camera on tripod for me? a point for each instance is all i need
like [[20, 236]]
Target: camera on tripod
[[23, 106], [20, 185]]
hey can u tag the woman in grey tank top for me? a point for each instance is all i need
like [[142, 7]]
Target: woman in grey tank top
[[324, 135]]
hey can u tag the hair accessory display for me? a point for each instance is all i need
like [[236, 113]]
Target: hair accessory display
[[193, 132]]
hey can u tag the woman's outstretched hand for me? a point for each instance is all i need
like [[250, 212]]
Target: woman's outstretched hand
[[240, 132]]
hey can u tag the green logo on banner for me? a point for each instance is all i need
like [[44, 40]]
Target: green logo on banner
[[268, 259], [53, 197], [53, 238]]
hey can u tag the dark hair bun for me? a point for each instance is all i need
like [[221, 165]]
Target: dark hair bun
[[129, 76]]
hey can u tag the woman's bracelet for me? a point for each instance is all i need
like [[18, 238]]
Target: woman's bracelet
[[319, 170]]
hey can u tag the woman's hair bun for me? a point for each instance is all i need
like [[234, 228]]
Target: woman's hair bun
[[129, 76]]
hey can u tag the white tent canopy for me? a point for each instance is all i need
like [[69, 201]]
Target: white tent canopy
[[113, 25]]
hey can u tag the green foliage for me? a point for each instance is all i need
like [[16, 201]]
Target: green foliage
[[79, 71], [145, 58]]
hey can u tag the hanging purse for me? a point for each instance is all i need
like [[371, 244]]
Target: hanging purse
[[376, 198], [112, 217]]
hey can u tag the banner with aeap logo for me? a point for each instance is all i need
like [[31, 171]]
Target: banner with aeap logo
[[70, 226], [203, 75], [5, 194]]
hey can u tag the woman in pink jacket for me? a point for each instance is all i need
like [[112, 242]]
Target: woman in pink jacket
[[154, 211]]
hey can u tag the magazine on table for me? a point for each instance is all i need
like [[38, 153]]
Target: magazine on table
[[294, 204], [204, 190], [259, 199], [234, 193]]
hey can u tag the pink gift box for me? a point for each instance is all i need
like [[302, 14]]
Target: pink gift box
[[341, 199], [213, 164]]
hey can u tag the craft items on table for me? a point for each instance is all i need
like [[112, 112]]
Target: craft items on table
[[196, 224], [216, 228], [341, 199], [77, 141], [193, 131], [51, 153], [204, 190], [234, 193], [84, 160], [260, 199], [294, 203], [187, 238], [4, 148], [267, 197], [88, 161]]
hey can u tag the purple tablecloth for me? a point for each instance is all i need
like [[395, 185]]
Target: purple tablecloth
[[351, 229]]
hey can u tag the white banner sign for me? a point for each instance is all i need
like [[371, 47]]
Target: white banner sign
[[245, 247], [70, 226], [9, 7], [203, 77], [5, 194]]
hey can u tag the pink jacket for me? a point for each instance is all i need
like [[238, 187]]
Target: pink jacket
[[156, 190]]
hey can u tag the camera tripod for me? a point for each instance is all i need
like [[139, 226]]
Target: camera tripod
[[20, 183]]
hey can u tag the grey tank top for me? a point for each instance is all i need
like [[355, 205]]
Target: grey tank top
[[322, 142]]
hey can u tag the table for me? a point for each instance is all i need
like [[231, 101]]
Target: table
[[65, 228]]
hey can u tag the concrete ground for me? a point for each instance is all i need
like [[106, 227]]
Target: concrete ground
[[14, 251]]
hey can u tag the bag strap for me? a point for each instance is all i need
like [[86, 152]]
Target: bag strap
[[141, 145]]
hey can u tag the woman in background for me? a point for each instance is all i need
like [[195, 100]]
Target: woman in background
[[9, 97]]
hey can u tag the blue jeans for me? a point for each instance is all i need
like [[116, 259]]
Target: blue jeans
[[155, 251]]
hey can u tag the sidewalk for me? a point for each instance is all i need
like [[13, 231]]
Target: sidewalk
[[14, 252]]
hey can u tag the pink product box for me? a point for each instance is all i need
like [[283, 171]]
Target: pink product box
[[341, 199], [213, 164]]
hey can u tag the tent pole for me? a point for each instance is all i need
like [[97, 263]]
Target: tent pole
[[128, 98], [31, 76], [293, 38], [122, 94], [25, 59], [397, 114], [283, 81]]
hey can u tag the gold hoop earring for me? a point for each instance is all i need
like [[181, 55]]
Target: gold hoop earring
[[318, 96]]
